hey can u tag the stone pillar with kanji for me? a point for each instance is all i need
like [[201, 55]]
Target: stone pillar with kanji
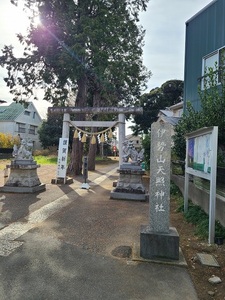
[[159, 240]]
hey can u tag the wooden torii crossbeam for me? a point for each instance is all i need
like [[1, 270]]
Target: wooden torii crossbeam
[[96, 110]]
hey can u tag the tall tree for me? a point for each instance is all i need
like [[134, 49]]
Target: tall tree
[[169, 93], [92, 48], [50, 131]]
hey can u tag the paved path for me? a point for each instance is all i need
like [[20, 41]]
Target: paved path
[[68, 243]]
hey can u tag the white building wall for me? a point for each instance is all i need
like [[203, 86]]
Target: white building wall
[[7, 127], [30, 118]]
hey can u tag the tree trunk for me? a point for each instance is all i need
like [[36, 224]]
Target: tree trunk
[[75, 165], [93, 147]]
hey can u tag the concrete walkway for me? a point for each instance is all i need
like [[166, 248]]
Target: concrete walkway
[[71, 243]]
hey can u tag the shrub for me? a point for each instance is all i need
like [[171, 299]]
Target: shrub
[[174, 189], [146, 144], [211, 113], [8, 140], [197, 216]]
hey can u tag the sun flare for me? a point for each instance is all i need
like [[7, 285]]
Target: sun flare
[[36, 21]]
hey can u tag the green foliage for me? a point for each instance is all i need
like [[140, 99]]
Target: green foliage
[[174, 190], [84, 53], [189, 122], [219, 230], [220, 158], [8, 140], [50, 131], [52, 160], [202, 227], [196, 216], [82, 48], [168, 94], [146, 144], [213, 102], [177, 196], [211, 114], [158, 98]]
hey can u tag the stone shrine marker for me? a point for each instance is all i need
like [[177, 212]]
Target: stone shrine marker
[[160, 178], [158, 240]]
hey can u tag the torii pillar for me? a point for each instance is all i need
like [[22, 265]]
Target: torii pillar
[[120, 111], [66, 126], [122, 135]]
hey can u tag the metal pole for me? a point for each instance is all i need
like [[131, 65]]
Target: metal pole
[[212, 200], [186, 181]]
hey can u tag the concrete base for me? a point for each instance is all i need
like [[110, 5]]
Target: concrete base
[[85, 186], [130, 180], [136, 257], [23, 176], [156, 245], [23, 189], [62, 181], [128, 196]]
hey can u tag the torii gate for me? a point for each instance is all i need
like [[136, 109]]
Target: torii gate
[[120, 111]]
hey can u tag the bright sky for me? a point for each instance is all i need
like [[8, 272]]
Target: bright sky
[[164, 48], [12, 21], [164, 22]]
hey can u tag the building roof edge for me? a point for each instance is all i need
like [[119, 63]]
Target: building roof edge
[[199, 12]]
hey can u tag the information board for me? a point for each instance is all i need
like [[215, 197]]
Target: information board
[[201, 161], [62, 157]]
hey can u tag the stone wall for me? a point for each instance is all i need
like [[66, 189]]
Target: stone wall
[[201, 197]]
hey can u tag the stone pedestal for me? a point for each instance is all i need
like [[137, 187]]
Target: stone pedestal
[[23, 178], [129, 185], [155, 245]]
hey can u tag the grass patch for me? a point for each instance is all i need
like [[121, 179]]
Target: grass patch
[[45, 160], [105, 160], [195, 214], [174, 190], [52, 159], [200, 219], [177, 196]]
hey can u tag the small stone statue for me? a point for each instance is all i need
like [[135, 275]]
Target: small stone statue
[[25, 150], [129, 152], [140, 157], [15, 151], [125, 151]]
